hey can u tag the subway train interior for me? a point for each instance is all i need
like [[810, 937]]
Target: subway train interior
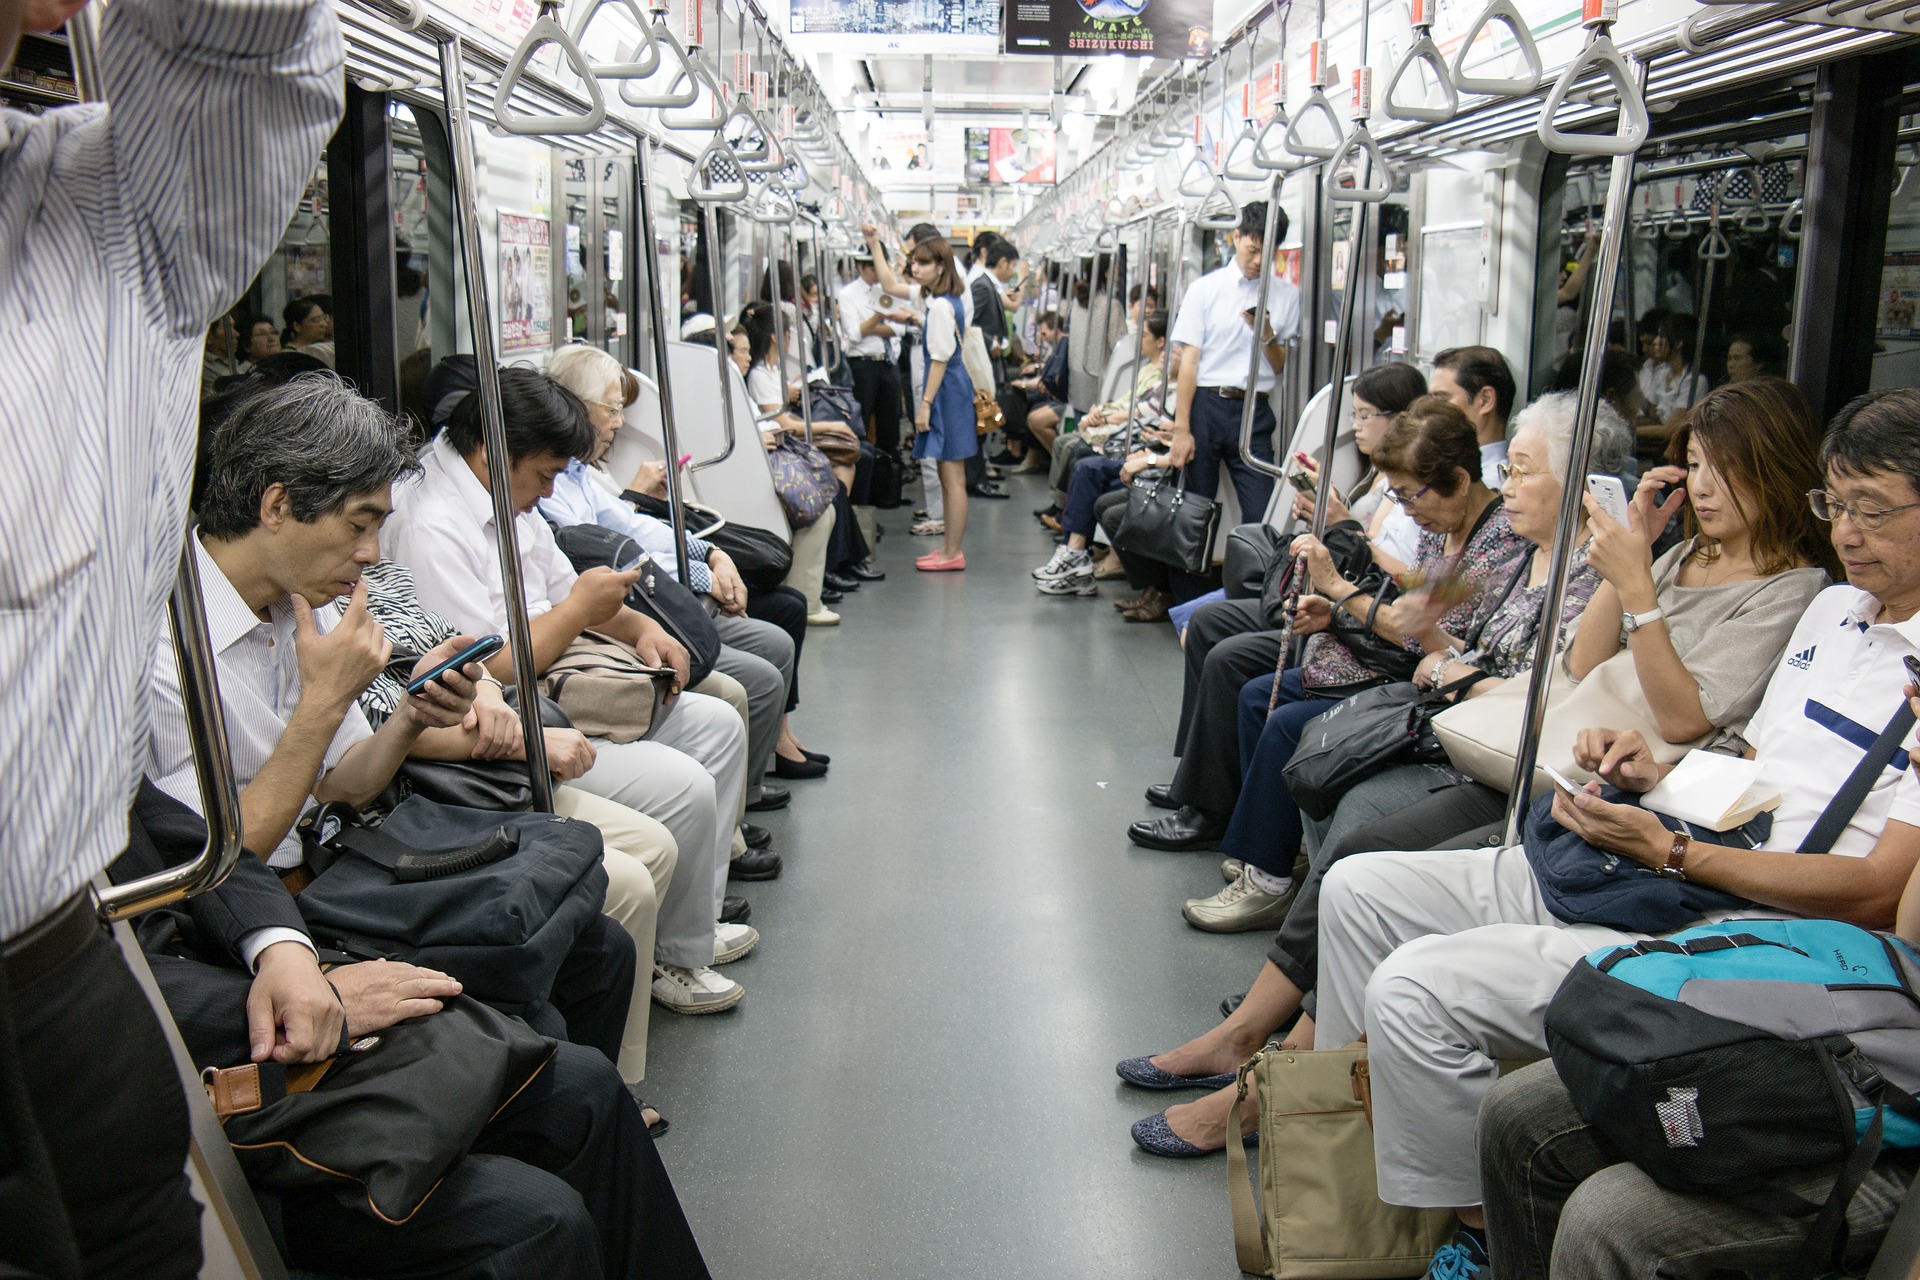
[[1494, 423]]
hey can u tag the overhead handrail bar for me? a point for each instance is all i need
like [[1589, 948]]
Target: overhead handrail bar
[[1423, 51], [1602, 54], [521, 124], [1706, 30], [1499, 86], [1248, 404], [1601, 283], [663, 378], [649, 53], [711, 222], [493, 427]]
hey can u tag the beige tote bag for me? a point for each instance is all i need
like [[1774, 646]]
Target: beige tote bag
[[1320, 1216], [1482, 735]]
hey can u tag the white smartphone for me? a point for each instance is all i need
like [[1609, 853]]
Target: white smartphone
[[1565, 783], [1611, 495]]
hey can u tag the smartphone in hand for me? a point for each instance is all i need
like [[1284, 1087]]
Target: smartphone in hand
[[1562, 781], [479, 651], [1612, 497]]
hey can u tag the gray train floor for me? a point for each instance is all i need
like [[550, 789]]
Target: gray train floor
[[920, 1081]]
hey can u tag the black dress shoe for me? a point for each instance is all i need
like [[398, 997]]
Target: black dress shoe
[[771, 798], [1182, 831], [866, 572], [818, 757], [829, 596], [1160, 796], [793, 770], [756, 837], [755, 864], [1231, 1003], [841, 582], [735, 910], [987, 491]]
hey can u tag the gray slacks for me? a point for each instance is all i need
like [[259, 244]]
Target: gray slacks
[[760, 656]]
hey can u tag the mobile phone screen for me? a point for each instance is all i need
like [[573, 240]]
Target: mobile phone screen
[[481, 649], [1561, 780]]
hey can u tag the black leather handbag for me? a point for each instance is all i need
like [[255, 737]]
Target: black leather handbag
[[667, 602], [495, 899], [1166, 523], [1361, 735], [476, 784], [763, 558], [1250, 553]]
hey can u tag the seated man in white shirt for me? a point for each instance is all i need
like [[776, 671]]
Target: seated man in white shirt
[[1447, 960], [1480, 381], [689, 773]]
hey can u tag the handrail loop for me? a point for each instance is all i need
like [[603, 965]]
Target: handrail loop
[[700, 74], [1422, 50], [1379, 177], [1247, 404], [1497, 86], [723, 359], [1217, 212], [626, 70], [660, 34], [1601, 53], [1677, 226], [1196, 189], [1754, 220], [522, 124], [1793, 222], [711, 169], [1296, 140]]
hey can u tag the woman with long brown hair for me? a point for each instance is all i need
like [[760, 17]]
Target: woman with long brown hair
[[943, 417]]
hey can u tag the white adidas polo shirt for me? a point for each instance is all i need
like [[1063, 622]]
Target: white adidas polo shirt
[[1839, 682]]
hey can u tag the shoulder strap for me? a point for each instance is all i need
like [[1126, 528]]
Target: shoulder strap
[[1846, 801], [1249, 1233], [409, 864], [1523, 567]]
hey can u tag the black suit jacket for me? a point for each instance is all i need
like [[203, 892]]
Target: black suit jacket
[[193, 947]]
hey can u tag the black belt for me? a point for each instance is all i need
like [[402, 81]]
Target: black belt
[[49, 944], [875, 359], [1225, 393]]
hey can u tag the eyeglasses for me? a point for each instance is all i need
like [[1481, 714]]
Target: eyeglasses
[[1866, 516], [617, 410], [1407, 499], [1507, 471], [1368, 415]]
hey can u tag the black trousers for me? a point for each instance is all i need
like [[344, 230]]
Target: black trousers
[[876, 385], [846, 545], [786, 609], [563, 1184], [592, 990], [1449, 818], [93, 1129], [1108, 510], [1227, 645], [1216, 444]]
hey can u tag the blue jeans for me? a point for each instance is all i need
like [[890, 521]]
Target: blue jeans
[[1091, 478], [1265, 830]]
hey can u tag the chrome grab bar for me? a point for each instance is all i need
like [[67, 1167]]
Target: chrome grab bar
[[1247, 403], [493, 429], [724, 362], [663, 377]]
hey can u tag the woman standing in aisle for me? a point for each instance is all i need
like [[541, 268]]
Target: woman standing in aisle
[[943, 417]]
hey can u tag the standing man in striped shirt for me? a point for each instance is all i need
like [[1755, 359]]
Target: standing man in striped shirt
[[125, 229]]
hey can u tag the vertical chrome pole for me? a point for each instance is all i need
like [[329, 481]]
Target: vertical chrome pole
[[1342, 344], [1602, 280], [712, 224], [493, 427], [806, 364], [1140, 333], [1250, 404], [780, 331], [656, 312]]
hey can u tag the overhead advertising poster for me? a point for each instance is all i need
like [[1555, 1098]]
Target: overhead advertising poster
[[896, 26], [1003, 156], [526, 283], [1162, 28]]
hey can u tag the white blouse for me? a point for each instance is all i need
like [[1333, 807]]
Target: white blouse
[[764, 388], [943, 336]]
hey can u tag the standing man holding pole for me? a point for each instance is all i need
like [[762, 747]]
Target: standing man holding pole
[[126, 228]]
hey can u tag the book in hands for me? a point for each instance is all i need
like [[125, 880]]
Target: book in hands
[[1718, 792]]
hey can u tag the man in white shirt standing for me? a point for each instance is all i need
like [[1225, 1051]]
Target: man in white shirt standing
[[867, 329], [126, 230], [1214, 332]]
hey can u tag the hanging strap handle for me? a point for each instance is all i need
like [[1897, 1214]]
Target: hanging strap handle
[[666, 45], [648, 60], [1217, 212], [716, 177], [702, 76], [1270, 151], [526, 125], [1846, 801], [1499, 11], [1603, 55], [1379, 177], [1423, 50], [1297, 141], [1197, 180]]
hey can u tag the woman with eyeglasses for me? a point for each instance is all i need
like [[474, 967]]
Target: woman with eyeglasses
[[1754, 555], [1380, 395]]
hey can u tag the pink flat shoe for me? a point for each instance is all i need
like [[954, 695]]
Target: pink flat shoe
[[934, 563]]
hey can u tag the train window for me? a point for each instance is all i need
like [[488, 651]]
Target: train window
[[594, 194], [295, 288], [428, 305], [1896, 326]]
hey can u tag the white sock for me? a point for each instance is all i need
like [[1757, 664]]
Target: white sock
[[1075, 557], [1265, 883]]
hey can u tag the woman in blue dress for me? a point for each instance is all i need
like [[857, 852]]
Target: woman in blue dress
[[943, 417]]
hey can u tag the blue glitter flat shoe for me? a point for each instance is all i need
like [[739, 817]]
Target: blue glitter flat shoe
[[1142, 1072], [1156, 1137]]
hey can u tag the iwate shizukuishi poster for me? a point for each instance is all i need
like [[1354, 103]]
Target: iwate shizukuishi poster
[[1162, 28], [526, 283]]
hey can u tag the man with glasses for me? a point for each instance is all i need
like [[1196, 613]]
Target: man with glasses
[[1446, 960], [127, 228]]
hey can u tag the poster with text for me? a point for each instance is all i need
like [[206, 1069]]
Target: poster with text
[[1002, 156], [526, 283], [958, 27], [1899, 297], [1070, 28]]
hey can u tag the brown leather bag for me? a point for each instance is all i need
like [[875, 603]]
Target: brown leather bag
[[986, 412], [606, 690]]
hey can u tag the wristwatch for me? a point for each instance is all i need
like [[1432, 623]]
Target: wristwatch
[[1676, 864], [1632, 622]]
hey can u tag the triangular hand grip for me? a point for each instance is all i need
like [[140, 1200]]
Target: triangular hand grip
[[1714, 246], [1794, 221], [794, 178], [774, 208], [716, 177], [1317, 105], [1423, 50], [545, 30], [748, 143], [1499, 11], [649, 59], [1676, 227], [1217, 212], [1239, 165], [1379, 183], [1270, 154], [1197, 179], [708, 85], [1600, 54], [683, 88], [765, 156]]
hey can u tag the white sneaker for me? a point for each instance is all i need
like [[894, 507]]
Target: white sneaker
[[825, 618], [693, 991], [1054, 567], [732, 941], [1074, 580]]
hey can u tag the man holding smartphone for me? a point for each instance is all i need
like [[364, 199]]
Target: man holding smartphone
[[1214, 334]]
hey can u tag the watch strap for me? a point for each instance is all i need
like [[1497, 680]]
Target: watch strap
[[1676, 864]]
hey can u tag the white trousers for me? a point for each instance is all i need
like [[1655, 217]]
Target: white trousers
[[687, 776], [810, 559], [932, 496], [639, 857], [1446, 960]]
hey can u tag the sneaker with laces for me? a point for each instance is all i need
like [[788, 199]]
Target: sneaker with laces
[[732, 941], [1241, 907], [1057, 565], [1075, 580], [692, 991], [1462, 1258]]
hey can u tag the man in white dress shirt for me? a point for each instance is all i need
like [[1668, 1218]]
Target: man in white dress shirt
[[125, 230], [1214, 332], [690, 772], [867, 329]]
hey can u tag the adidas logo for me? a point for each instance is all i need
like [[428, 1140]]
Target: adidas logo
[[1802, 660]]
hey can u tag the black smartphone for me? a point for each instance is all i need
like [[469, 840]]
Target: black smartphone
[[480, 650], [1303, 481], [1913, 667]]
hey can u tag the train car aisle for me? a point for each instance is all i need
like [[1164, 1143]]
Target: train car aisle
[[920, 1082]]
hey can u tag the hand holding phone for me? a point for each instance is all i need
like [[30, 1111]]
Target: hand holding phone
[[1611, 496], [1562, 781], [479, 651]]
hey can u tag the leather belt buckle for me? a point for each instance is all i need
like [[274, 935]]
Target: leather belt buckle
[[45, 946], [1229, 393]]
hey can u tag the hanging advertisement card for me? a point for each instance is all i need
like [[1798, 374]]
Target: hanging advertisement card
[[1068, 28], [526, 283]]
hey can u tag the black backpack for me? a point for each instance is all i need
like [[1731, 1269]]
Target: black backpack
[[667, 602]]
